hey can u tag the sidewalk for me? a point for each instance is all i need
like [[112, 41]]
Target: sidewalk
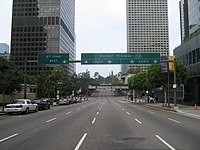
[[182, 109]]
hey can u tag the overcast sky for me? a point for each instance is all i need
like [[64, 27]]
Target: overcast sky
[[100, 28]]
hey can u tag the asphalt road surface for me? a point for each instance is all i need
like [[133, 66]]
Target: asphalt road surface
[[101, 123]]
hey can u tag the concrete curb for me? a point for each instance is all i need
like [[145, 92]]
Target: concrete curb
[[163, 108], [2, 114]]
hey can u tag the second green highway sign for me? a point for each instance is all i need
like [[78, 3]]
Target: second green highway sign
[[120, 58]]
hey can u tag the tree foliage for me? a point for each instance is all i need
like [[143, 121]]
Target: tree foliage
[[138, 81], [155, 77], [134, 70], [11, 78]]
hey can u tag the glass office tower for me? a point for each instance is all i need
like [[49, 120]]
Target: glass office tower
[[193, 15], [42, 26], [147, 27]]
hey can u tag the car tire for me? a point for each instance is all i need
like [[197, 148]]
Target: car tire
[[27, 111], [49, 107], [9, 113]]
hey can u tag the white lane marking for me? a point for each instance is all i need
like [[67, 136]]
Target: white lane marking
[[122, 108], [97, 113], [173, 120], [128, 113], [69, 113], [51, 120], [93, 120], [169, 146], [138, 121], [78, 108], [101, 106], [189, 114], [140, 108], [80, 142], [152, 112], [9, 137]]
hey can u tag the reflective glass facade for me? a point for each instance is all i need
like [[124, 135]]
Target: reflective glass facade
[[183, 4], [194, 15], [37, 27], [147, 27], [4, 48]]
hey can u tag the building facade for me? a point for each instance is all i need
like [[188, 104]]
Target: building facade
[[193, 15], [4, 48], [184, 22], [42, 26], [189, 51], [147, 28]]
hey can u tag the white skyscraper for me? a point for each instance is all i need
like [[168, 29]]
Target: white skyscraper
[[147, 27]]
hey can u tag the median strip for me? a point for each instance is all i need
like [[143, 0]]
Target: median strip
[[51, 120], [9, 137], [80, 142], [169, 146]]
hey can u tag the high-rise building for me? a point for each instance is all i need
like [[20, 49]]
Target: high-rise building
[[193, 15], [147, 27], [4, 48], [189, 51], [183, 4], [42, 26]]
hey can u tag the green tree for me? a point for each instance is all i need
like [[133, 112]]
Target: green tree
[[11, 78], [155, 77], [139, 82], [134, 70]]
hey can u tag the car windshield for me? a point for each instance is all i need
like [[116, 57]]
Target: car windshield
[[18, 102]]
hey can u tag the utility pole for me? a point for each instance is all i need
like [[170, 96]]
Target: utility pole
[[175, 86]]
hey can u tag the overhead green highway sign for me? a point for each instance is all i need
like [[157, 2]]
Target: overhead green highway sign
[[120, 58], [53, 58]]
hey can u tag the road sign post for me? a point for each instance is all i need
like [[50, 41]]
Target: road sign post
[[120, 58], [53, 58]]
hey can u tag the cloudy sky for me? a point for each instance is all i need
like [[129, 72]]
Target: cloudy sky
[[100, 28]]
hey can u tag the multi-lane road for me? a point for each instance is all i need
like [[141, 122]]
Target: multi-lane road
[[102, 123]]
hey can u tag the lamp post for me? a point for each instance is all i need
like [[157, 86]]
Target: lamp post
[[25, 77], [175, 86]]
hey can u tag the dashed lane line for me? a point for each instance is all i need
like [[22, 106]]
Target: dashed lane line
[[80, 142], [93, 120], [163, 141], [174, 120], [68, 113], [51, 120], [9, 137], [138, 121], [152, 112]]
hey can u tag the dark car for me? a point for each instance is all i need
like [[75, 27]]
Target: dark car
[[42, 104]]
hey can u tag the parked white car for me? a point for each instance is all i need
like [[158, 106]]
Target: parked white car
[[21, 105]]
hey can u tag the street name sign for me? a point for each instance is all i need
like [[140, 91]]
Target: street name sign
[[53, 58], [120, 58]]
